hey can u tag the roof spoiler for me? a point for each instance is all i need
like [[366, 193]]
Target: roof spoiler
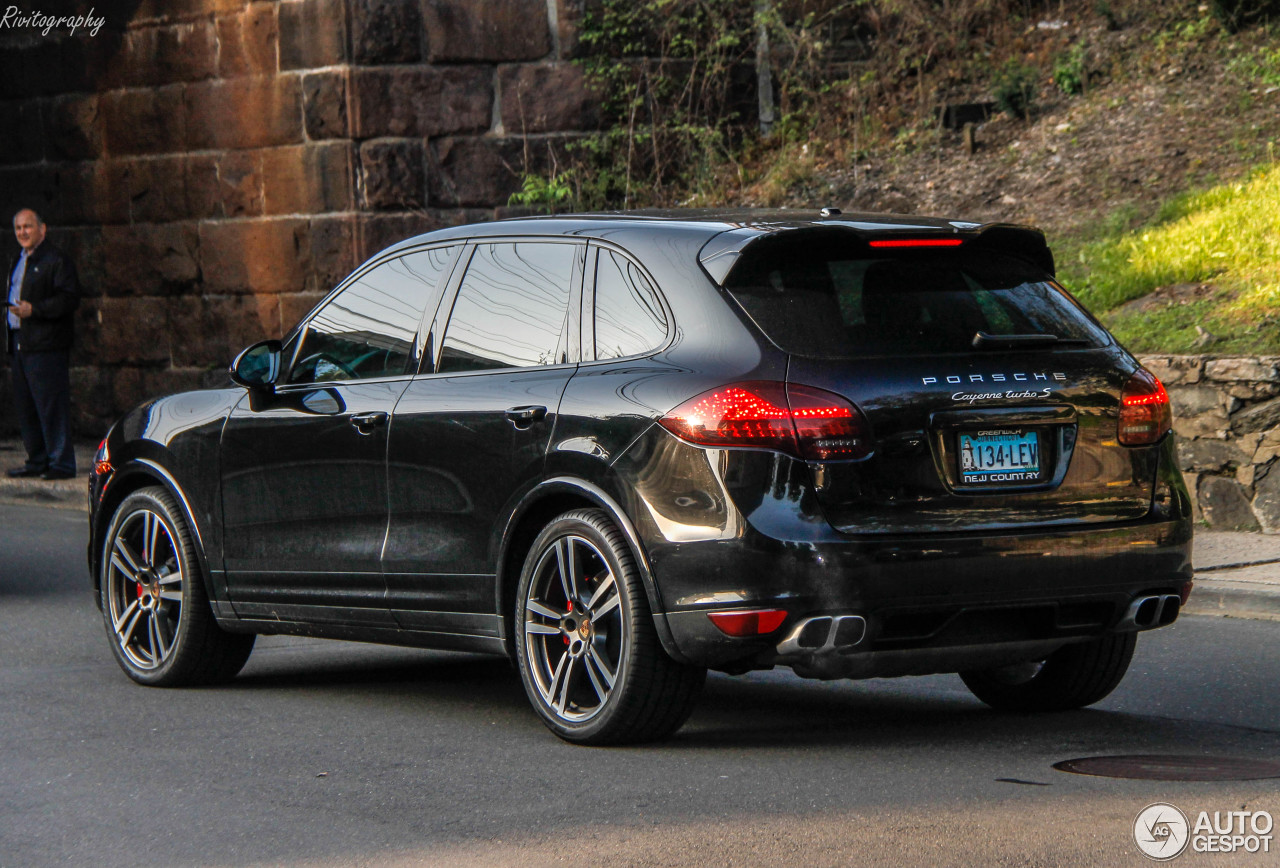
[[723, 251], [1022, 241]]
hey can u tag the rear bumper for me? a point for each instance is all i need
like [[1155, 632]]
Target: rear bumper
[[972, 600], [937, 602]]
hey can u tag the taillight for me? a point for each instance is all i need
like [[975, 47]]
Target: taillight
[[809, 423], [828, 428], [1145, 415]]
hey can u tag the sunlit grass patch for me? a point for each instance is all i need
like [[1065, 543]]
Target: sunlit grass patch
[[1228, 236]]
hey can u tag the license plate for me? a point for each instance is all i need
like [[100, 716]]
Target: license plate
[[999, 456]]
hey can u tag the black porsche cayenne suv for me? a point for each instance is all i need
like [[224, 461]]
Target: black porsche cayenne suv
[[622, 449]]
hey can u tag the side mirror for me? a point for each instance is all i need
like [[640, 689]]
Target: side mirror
[[258, 367]]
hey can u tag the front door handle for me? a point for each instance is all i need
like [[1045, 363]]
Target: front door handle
[[365, 423], [524, 417]]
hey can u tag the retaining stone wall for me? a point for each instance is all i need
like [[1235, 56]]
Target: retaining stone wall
[[1227, 417], [216, 166]]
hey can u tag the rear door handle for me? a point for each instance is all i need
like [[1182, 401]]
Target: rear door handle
[[365, 423], [524, 417]]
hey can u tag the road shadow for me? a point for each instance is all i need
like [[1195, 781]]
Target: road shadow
[[772, 710], [884, 713]]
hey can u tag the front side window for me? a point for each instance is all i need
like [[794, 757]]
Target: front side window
[[370, 328], [511, 308], [629, 317]]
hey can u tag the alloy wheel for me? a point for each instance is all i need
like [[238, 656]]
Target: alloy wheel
[[574, 629], [144, 589]]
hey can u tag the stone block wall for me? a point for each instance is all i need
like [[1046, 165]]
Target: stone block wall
[[216, 166], [1227, 418]]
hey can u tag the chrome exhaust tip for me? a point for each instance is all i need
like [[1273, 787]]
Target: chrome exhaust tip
[[824, 634], [1145, 613]]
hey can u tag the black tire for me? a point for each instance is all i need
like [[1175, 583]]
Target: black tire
[[586, 647], [1074, 676], [154, 605]]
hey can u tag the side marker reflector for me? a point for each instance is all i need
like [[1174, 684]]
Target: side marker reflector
[[758, 622]]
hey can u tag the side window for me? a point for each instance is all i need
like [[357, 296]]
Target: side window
[[511, 308], [629, 316], [369, 329]]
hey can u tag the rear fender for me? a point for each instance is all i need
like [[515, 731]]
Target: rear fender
[[581, 489]]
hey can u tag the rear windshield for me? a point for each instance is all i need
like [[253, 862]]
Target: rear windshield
[[821, 302]]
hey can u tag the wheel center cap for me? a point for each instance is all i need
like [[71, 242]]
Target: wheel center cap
[[148, 587]]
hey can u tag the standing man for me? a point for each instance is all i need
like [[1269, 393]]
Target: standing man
[[43, 293]]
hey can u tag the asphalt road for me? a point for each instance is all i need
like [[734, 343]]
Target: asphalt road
[[333, 754]]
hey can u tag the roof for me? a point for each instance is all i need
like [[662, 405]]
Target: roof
[[728, 232]]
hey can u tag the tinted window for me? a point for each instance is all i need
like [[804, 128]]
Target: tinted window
[[822, 302], [511, 308], [369, 329], [629, 317]]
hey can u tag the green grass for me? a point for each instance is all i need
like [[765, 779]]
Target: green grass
[[1228, 236], [1258, 68]]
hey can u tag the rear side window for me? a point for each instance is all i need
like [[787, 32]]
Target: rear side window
[[629, 317], [818, 301], [511, 308]]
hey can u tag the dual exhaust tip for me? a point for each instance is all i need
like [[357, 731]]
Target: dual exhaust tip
[[1157, 610], [824, 634]]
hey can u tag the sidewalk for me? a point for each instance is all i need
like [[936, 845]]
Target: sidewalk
[[1237, 574], [68, 493]]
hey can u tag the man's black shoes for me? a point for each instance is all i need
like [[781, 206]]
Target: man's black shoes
[[28, 472]]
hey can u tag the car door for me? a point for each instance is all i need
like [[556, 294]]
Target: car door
[[303, 469], [472, 434]]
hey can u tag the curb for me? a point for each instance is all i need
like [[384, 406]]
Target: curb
[[62, 493], [1251, 591]]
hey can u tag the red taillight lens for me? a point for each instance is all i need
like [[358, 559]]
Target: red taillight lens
[[1145, 415], [828, 428], [806, 422], [754, 623], [744, 414]]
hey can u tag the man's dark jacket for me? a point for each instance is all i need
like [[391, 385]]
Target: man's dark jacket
[[53, 289]]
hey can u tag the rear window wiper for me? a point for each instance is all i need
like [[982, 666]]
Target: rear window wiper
[[984, 341]]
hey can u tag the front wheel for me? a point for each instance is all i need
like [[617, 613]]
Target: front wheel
[[588, 653], [1074, 676], [157, 614]]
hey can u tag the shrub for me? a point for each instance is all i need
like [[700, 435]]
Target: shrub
[[1070, 73], [1015, 89], [1238, 14]]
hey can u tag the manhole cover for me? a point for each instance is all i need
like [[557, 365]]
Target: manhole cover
[[1172, 768]]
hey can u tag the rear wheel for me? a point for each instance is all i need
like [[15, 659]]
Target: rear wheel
[[157, 614], [1074, 676], [588, 653]]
